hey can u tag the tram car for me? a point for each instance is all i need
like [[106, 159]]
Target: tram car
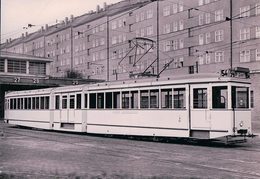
[[201, 106]]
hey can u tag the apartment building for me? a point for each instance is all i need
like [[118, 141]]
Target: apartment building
[[125, 39]]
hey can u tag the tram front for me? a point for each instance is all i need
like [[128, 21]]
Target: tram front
[[241, 111]]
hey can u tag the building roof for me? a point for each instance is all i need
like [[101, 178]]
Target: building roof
[[10, 55]]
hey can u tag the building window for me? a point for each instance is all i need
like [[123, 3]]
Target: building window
[[137, 18], [142, 16], [207, 18], [114, 25], [166, 28], [16, 66], [180, 6], [149, 14], [245, 11], [201, 18], [219, 35], [207, 58], [201, 2], [167, 46], [114, 40], [175, 26], [201, 39], [257, 9], [207, 38], [181, 43], [166, 11], [219, 15], [181, 25], [245, 56], [201, 59], [149, 30], [245, 33], [175, 44], [207, 1], [219, 56], [257, 55], [257, 32], [175, 8]]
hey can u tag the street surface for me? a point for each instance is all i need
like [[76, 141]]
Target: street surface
[[26, 153]]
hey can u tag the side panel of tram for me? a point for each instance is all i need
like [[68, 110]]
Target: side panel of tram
[[150, 111], [30, 110], [205, 110]]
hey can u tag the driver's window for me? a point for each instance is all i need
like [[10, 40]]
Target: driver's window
[[220, 97]]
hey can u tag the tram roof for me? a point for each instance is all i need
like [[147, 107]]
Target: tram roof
[[135, 83]]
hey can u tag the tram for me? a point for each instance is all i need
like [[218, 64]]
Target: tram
[[199, 106]]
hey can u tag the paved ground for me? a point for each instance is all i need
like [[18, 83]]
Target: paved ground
[[40, 154]]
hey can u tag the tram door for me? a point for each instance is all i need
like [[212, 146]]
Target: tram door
[[200, 113], [67, 113]]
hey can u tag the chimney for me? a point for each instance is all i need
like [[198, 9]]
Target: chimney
[[98, 8], [71, 18], [46, 26], [66, 20], [22, 35], [42, 29], [26, 34], [105, 6], [7, 41]]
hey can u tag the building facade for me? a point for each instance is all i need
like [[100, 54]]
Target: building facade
[[137, 37]]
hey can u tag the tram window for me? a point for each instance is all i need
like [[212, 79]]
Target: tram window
[[134, 99], [22, 106], [109, 100], [47, 102], [100, 100], [15, 103], [33, 103], [37, 103], [166, 98], [42, 102], [19, 103], [219, 97], [25, 103], [144, 99], [154, 99], [252, 99], [29, 103], [72, 101], [125, 100], [64, 102], [200, 98], [12, 104], [116, 100], [240, 97], [86, 101], [179, 98], [92, 101], [78, 106], [57, 102]]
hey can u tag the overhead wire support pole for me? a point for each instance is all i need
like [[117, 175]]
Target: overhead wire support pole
[[108, 46], [158, 46], [231, 34]]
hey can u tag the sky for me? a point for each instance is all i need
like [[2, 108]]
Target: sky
[[16, 14]]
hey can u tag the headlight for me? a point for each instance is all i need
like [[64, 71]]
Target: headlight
[[241, 124]]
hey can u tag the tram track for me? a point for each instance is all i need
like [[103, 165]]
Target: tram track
[[114, 151]]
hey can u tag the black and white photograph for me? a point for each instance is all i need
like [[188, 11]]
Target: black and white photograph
[[130, 89]]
